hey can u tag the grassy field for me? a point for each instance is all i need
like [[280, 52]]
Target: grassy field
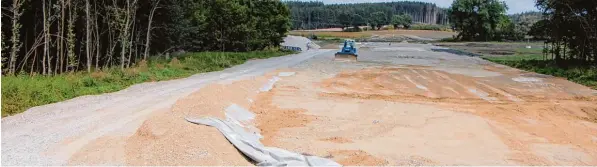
[[533, 60], [430, 27], [22, 92]]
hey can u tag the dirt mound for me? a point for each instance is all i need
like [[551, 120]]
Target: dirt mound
[[165, 138]]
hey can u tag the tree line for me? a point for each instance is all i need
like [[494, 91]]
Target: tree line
[[570, 30], [57, 36], [313, 15], [568, 27]]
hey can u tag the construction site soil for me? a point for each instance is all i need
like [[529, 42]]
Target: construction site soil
[[404, 104], [380, 114]]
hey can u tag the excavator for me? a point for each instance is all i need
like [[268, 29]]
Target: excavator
[[348, 51]]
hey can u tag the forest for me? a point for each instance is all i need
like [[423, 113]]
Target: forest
[[314, 15], [57, 36]]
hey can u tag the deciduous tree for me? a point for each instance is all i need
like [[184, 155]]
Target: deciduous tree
[[477, 19], [378, 19]]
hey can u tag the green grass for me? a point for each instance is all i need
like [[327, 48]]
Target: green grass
[[22, 92], [585, 75], [429, 27], [514, 57]]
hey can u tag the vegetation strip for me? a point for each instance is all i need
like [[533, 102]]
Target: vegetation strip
[[581, 74], [21, 92], [61, 49], [55, 37]]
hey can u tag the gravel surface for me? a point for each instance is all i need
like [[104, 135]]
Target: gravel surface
[[30, 138]]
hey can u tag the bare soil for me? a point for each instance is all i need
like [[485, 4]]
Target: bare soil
[[431, 117], [357, 157], [388, 115], [403, 104], [337, 140], [167, 139], [271, 119]]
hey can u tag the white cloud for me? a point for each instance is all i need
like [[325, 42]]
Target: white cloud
[[515, 6]]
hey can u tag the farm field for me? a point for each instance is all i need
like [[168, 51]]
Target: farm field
[[436, 35]]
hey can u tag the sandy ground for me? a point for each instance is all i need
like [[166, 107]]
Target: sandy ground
[[409, 116], [404, 104]]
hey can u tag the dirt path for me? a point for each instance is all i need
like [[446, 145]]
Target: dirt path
[[404, 104]]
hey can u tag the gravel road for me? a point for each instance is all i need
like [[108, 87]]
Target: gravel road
[[400, 104], [30, 138]]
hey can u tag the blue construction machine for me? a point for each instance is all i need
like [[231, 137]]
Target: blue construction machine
[[348, 51]]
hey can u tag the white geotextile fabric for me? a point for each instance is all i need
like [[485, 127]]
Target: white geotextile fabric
[[298, 41], [249, 145]]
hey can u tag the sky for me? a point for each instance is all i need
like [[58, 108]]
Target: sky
[[514, 6]]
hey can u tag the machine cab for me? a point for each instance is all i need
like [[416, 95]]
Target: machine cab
[[349, 45]]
